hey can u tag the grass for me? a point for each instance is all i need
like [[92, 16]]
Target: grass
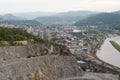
[[115, 45]]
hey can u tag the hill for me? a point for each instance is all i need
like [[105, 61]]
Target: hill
[[11, 35], [10, 17], [77, 13], [56, 19], [65, 17], [116, 12], [100, 19], [21, 22], [32, 15]]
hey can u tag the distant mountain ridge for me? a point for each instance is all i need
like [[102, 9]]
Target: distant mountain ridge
[[100, 19], [71, 17], [77, 13], [66, 17], [21, 22], [10, 17], [32, 15], [116, 12]]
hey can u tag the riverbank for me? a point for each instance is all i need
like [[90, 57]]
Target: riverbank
[[108, 53], [100, 66], [115, 45]]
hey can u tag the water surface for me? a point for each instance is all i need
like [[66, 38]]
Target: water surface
[[108, 53]]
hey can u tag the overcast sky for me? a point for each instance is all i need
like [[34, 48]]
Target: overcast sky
[[13, 6]]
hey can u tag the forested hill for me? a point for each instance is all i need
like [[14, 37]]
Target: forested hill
[[17, 34], [100, 19], [65, 17], [21, 22]]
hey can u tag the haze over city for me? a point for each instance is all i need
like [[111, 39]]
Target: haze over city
[[16, 6]]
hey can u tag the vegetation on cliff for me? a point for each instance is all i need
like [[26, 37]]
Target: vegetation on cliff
[[20, 37], [15, 36], [115, 45]]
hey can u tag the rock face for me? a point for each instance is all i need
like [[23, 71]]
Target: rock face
[[49, 67], [35, 62], [13, 52], [28, 63]]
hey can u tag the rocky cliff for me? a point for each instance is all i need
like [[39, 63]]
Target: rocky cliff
[[42, 62], [36, 62], [39, 68], [13, 52]]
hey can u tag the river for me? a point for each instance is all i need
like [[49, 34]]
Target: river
[[108, 53]]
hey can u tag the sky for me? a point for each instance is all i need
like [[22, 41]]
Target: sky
[[16, 6]]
